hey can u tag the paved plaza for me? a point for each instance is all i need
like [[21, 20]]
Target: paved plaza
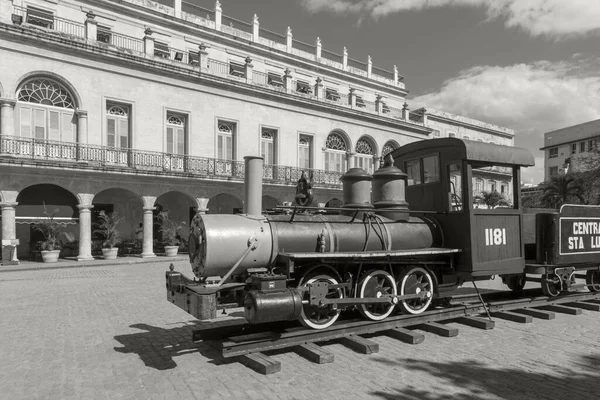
[[107, 332]]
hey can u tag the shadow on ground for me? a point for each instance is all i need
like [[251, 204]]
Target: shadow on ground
[[479, 380]]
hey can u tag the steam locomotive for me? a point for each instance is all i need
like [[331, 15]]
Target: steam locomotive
[[376, 254]]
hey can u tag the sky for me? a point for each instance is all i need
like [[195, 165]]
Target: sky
[[529, 65]]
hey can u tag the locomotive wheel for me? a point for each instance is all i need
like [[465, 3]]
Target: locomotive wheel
[[516, 283], [415, 280], [315, 317], [592, 277], [376, 284], [551, 285]]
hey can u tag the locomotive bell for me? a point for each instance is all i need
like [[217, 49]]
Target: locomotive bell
[[357, 188]]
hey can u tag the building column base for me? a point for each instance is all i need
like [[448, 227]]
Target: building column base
[[148, 255], [84, 258]]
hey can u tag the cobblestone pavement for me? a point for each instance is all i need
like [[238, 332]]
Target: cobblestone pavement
[[109, 333]]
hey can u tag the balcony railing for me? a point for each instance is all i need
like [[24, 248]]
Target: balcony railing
[[152, 161]]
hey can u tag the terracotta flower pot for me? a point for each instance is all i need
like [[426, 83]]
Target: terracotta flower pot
[[171, 251], [50, 256], [111, 253]]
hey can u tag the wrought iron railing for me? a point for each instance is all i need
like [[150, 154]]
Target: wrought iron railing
[[152, 161]]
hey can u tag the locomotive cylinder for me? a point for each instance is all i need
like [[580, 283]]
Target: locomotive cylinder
[[271, 306]]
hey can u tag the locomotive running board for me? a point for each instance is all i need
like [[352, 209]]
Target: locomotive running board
[[272, 340]]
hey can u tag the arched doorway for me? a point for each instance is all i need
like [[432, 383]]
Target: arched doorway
[[336, 149], [179, 208], [36, 204], [365, 151], [224, 203]]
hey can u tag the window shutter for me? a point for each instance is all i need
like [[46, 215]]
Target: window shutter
[[39, 124], [67, 128], [110, 132], [53, 125], [25, 122], [169, 140], [180, 141], [124, 133], [229, 148]]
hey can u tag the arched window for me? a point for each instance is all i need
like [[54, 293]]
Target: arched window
[[305, 151], [335, 153], [45, 110], [268, 146], [117, 125], [364, 155], [176, 134], [225, 140], [388, 148]]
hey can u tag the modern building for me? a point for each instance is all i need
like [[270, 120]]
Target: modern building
[[134, 106], [569, 149]]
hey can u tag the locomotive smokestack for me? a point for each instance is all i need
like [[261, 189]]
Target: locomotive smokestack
[[253, 185]]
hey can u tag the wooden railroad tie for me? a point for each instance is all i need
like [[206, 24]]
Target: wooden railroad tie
[[477, 322], [360, 344], [315, 353], [585, 305], [261, 363], [512, 316], [438, 329], [562, 309], [405, 335], [547, 315]]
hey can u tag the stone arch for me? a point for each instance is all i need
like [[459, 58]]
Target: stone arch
[[53, 77], [365, 153], [35, 202], [268, 202], [388, 147], [126, 203], [181, 208], [372, 142], [225, 203], [343, 135]]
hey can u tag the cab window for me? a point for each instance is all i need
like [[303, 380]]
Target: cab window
[[455, 200], [423, 170]]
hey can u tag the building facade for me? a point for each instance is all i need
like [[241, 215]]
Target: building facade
[[133, 106], [569, 149]]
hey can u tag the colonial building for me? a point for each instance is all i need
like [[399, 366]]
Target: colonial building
[[133, 106], [570, 148]]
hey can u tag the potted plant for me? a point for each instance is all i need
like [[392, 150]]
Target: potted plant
[[170, 233], [107, 228], [50, 248]]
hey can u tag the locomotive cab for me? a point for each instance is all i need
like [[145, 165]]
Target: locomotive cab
[[447, 179]]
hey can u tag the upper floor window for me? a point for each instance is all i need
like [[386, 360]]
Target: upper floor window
[[236, 69], [43, 18], [436, 133], [553, 152], [193, 57], [267, 145], [103, 34], [492, 186], [388, 148], [274, 79], [573, 148], [478, 186], [364, 155], [303, 87], [305, 151], [360, 102], [504, 188], [335, 153], [117, 125], [423, 170], [176, 134], [451, 134], [45, 110], [385, 108], [582, 147], [332, 94], [162, 50], [225, 139]]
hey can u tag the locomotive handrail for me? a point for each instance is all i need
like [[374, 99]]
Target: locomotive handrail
[[252, 245]]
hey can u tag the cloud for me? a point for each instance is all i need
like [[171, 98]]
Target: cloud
[[553, 18], [530, 98]]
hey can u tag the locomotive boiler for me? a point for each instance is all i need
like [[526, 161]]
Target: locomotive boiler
[[373, 254]]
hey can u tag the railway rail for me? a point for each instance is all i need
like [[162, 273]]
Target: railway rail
[[250, 342]]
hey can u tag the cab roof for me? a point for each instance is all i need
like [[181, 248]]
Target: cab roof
[[469, 150]]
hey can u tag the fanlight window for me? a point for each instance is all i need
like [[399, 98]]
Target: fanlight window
[[47, 92], [388, 148], [336, 142], [364, 156], [175, 120], [116, 110], [335, 156], [364, 147]]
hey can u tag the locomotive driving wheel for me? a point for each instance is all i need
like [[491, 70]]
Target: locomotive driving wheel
[[592, 277], [319, 317], [551, 285], [415, 280], [376, 284]]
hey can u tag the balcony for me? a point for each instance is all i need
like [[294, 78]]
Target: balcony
[[140, 161]]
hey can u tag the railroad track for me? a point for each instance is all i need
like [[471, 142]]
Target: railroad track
[[250, 342]]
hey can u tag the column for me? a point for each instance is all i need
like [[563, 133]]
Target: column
[[7, 117], [369, 67], [345, 59], [249, 68], [405, 112], [319, 48], [218, 14], [352, 97], [379, 104], [148, 42], [91, 26], [350, 159], [9, 240], [289, 40], [287, 80], [202, 57], [82, 133], [319, 89], [255, 28], [147, 246], [85, 232]]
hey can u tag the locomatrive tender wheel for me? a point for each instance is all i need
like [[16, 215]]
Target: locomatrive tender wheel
[[319, 317], [516, 283], [592, 277], [376, 284], [415, 280], [551, 285]]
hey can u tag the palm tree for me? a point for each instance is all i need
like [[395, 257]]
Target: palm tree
[[492, 199], [562, 189]]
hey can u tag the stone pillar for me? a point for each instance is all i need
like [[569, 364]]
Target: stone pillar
[[255, 28], [406, 112], [177, 7], [248, 69], [9, 232], [319, 48], [395, 75], [379, 101], [352, 98], [218, 14], [345, 59], [148, 42], [203, 57], [319, 89], [91, 26], [85, 232], [147, 246], [287, 80], [82, 126], [6, 10], [7, 117], [289, 40], [369, 67], [424, 115], [202, 205], [350, 159]]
